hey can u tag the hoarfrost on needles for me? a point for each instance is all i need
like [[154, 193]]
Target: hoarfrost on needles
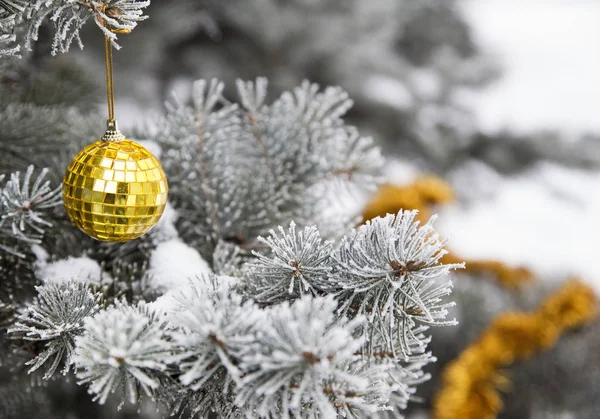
[[312, 320]]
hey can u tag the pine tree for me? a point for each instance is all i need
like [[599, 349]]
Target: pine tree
[[296, 312]]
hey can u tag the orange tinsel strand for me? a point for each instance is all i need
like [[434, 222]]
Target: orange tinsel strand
[[508, 276], [471, 384], [424, 193]]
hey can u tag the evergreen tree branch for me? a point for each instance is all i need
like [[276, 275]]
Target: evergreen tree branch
[[23, 207], [56, 318], [67, 17]]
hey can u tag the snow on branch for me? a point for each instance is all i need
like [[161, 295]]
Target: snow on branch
[[67, 17], [216, 329], [307, 365]]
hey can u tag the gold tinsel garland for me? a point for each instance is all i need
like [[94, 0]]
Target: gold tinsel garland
[[508, 276], [424, 193], [471, 384]]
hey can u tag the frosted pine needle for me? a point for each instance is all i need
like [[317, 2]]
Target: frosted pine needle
[[303, 365], [68, 17], [299, 262], [388, 270], [22, 205], [123, 347], [56, 318], [212, 330]]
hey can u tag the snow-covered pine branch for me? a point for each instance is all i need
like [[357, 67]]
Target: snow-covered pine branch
[[299, 147], [306, 350], [55, 319], [9, 13], [305, 322], [386, 270], [299, 263], [122, 348], [67, 17], [211, 329], [308, 364], [23, 206]]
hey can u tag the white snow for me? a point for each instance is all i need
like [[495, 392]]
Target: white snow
[[427, 83], [388, 91], [172, 265], [167, 303], [165, 229], [400, 172], [550, 53], [40, 254], [80, 268], [546, 219]]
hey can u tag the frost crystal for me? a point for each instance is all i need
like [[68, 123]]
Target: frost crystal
[[299, 263], [213, 329], [122, 347], [388, 270], [67, 17], [56, 318], [304, 365], [22, 205]]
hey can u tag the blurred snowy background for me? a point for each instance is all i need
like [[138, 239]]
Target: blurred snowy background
[[545, 217]]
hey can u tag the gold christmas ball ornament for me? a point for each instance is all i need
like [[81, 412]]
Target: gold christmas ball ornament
[[115, 189]]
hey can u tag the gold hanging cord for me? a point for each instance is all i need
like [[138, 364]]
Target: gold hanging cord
[[110, 88], [112, 131]]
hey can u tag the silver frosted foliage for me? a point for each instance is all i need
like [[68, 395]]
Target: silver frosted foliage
[[56, 318]]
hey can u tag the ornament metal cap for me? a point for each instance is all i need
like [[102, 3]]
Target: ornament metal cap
[[112, 133]]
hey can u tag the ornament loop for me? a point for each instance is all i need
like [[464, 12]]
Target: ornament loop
[[114, 13], [112, 133]]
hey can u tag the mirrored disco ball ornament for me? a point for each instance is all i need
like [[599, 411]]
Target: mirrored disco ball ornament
[[115, 189]]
